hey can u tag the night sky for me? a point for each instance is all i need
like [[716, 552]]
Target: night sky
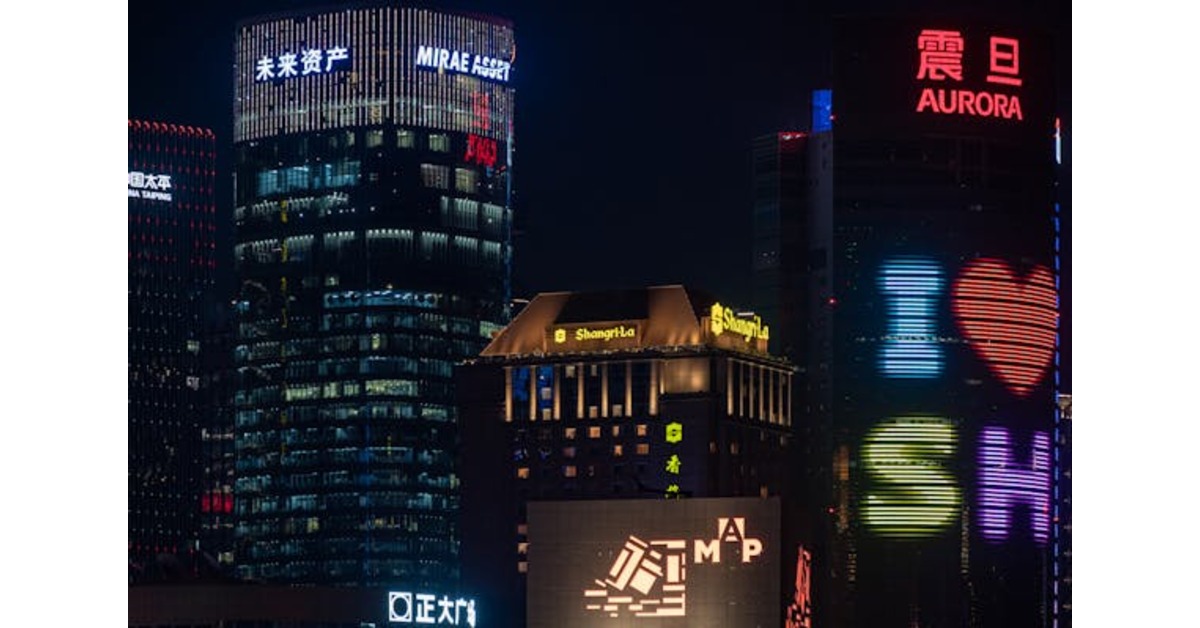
[[634, 120]]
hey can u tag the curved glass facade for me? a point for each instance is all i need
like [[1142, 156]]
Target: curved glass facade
[[373, 185]]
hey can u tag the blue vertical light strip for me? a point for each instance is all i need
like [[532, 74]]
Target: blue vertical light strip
[[910, 349], [822, 110], [1056, 524]]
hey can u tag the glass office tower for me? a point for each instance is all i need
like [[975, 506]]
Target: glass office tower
[[172, 263], [373, 155]]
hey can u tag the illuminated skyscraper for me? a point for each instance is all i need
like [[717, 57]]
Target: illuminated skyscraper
[[373, 154], [172, 261], [932, 320], [648, 393]]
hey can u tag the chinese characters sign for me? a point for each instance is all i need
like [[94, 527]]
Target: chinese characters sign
[[944, 67], [154, 187], [291, 64], [673, 464], [425, 608], [480, 150]]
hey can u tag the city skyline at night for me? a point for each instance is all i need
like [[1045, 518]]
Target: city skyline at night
[[645, 143]]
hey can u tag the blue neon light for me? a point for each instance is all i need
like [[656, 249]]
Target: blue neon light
[[910, 348], [822, 110]]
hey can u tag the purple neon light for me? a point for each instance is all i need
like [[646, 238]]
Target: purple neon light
[[1002, 484]]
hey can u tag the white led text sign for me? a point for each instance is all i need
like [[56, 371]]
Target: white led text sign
[[463, 63], [291, 65], [154, 187], [405, 607]]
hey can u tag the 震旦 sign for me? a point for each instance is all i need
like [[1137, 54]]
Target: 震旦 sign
[[942, 62]]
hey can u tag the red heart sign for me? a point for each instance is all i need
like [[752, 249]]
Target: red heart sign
[[1011, 324]]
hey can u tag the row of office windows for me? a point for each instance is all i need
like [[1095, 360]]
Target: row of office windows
[[429, 246], [325, 412], [432, 346], [427, 524], [312, 502]]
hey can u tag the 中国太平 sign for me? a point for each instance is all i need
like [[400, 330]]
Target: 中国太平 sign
[[941, 72], [154, 187]]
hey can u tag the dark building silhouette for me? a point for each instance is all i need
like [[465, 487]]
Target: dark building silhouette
[[373, 152], [649, 393], [172, 261], [930, 373]]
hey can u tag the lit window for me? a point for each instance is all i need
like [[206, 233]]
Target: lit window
[[641, 429], [439, 142], [569, 433], [374, 138], [593, 412], [405, 138], [616, 430], [594, 431], [643, 449], [465, 180], [523, 473], [618, 450], [522, 567], [568, 452], [569, 370], [569, 471], [523, 548], [733, 448], [618, 410], [522, 529]]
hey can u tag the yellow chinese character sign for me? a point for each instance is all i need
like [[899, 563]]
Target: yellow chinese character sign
[[674, 432], [673, 464]]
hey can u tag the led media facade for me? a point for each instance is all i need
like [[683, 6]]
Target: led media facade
[[373, 248], [910, 349], [1011, 324], [941, 314], [1004, 482], [654, 563], [915, 493]]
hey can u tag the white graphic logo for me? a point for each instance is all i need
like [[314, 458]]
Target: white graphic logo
[[426, 608], [648, 577]]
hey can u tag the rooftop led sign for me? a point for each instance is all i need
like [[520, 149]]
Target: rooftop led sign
[[723, 319], [459, 62], [290, 65], [941, 73]]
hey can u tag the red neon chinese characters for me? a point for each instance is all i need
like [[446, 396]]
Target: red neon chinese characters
[[1005, 60], [480, 150], [1011, 323], [941, 55]]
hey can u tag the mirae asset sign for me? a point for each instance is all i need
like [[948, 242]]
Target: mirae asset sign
[[463, 62]]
